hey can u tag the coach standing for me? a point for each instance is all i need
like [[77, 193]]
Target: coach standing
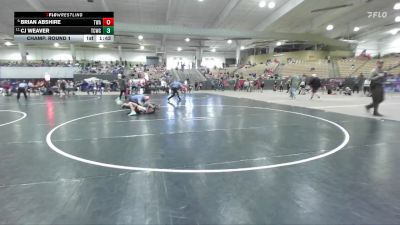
[[122, 86], [22, 88], [377, 78]]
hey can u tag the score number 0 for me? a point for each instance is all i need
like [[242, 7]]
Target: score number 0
[[108, 21]]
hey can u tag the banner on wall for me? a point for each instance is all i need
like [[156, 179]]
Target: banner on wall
[[392, 85], [335, 82]]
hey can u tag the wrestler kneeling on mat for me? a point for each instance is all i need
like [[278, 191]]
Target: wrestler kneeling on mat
[[139, 104]]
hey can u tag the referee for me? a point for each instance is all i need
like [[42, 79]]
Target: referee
[[22, 88], [377, 78], [175, 87]]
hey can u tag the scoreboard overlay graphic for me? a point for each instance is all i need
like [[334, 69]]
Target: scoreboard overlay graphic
[[63, 27]]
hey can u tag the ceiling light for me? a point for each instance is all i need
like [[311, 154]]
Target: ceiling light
[[200, 0], [229, 42], [187, 39], [213, 50], [351, 41], [356, 29], [8, 43], [242, 47], [397, 19], [56, 45], [262, 4], [396, 6], [140, 37], [179, 49], [271, 5], [101, 46], [141, 47], [278, 43], [329, 27], [394, 31]]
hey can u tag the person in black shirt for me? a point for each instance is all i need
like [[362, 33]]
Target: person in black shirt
[[315, 84], [281, 86], [22, 89], [377, 78], [122, 87]]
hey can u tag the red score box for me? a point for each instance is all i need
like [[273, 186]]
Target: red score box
[[108, 21]]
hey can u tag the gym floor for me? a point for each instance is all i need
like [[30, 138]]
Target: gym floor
[[209, 159]]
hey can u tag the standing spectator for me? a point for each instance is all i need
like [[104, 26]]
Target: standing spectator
[[68, 87], [164, 86], [262, 84], [288, 86], [302, 87], [340, 86], [72, 87], [246, 85], [236, 86], [63, 88], [30, 87], [281, 86], [294, 85], [366, 85], [221, 84], [102, 87], [356, 86], [89, 87], [315, 84], [6, 85], [95, 87]]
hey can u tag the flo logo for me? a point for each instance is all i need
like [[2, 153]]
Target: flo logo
[[377, 15]]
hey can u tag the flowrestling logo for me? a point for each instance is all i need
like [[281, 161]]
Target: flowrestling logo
[[377, 14]]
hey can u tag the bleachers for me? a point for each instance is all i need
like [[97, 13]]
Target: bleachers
[[349, 66], [257, 69], [192, 74], [216, 72], [39, 63], [393, 61], [365, 66], [304, 67]]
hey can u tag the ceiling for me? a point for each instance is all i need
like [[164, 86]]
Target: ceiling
[[210, 23]]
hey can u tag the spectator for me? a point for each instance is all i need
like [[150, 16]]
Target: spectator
[[294, 85]]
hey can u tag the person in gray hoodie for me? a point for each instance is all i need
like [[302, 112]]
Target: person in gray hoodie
[[294, 85]]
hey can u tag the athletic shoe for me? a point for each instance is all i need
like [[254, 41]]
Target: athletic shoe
[[132, 113], [118, 101], [377, 114]]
